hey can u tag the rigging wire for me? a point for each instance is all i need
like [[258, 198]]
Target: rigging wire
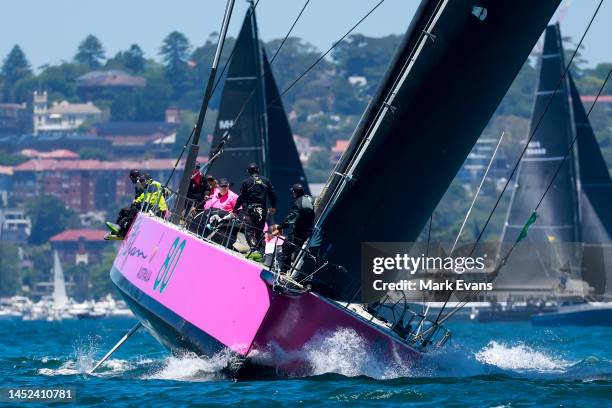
[[469, 211], [566, 155], [535, 129]]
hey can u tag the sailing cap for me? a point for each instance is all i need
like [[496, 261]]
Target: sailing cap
[[297, 188], [253, 168]]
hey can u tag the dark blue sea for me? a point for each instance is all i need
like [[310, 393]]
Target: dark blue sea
[[486, 365]]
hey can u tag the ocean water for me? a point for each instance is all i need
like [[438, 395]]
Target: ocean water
[[486, 365]]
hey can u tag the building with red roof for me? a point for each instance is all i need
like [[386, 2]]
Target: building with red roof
[[87, 185], [79, 246], [75, 247], [53, 154]]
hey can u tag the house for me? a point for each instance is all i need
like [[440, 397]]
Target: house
[[79, 246], [61, 116], [86, 185], [338, 149], [16, 225], [94, 84], [75, 247], [58, 154], [6, 184], [304, 148], [132, 139]]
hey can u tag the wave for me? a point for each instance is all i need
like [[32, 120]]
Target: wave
[[345, 353]]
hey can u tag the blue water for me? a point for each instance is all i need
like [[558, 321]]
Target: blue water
[[487, 365]]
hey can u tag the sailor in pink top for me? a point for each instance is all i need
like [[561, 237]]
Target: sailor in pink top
[[222, 198]]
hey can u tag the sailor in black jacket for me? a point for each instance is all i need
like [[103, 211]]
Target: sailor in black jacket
[[255, 193], [301, 218]]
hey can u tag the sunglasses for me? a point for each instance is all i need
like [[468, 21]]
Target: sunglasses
[[224, 186]]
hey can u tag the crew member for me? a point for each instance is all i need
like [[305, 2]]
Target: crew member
[[124, 213], [301, 218], [255, 193], [224, 198], [197, 188], [150, 199]]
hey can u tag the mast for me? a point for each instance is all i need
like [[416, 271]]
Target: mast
[[194, 147], [419, 127]]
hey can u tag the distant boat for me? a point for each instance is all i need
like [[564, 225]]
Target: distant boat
[[577, 314], [262, 134], [574, 222], [60, 299]]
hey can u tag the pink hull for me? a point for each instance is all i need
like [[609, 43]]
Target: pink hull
[[204, 295]]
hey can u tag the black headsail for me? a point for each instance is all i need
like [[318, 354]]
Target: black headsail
[[284, 166], [249, 132], [595, 189], [558, 217], [259, 136], [453, 67]]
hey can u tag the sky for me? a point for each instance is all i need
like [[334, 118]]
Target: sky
[[49, 31]]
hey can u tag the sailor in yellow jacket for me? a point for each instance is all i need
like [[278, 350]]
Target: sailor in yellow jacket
[[151, 199]]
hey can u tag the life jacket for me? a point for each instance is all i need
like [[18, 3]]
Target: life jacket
[[153, 195]]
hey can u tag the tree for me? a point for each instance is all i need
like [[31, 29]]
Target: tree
[[49, 216], [10, 279], [15, 65], [90, 52], [101, 285], [131, 60], [14, 68], [134, 59], [175, 52]]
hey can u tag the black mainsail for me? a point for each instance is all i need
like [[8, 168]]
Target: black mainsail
[[575, 211], [456, 62], [553, 124], [595, 188], [260, 135]]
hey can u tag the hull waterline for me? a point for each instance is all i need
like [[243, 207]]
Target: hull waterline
[[587, 314]]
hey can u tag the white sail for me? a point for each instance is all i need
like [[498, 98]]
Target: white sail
[[60, 300]]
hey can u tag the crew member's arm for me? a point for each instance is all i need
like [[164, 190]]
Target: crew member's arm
[[241, 197], [292, 217]]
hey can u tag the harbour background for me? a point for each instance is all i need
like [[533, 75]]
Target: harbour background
[[495, 364]]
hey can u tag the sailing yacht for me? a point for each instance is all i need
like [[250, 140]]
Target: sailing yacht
[[562, 257], [260, 132], [453, 67]]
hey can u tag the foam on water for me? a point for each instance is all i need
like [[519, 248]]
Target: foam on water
[[520, 358], [190, 367], [342, 352], [345, 352]]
